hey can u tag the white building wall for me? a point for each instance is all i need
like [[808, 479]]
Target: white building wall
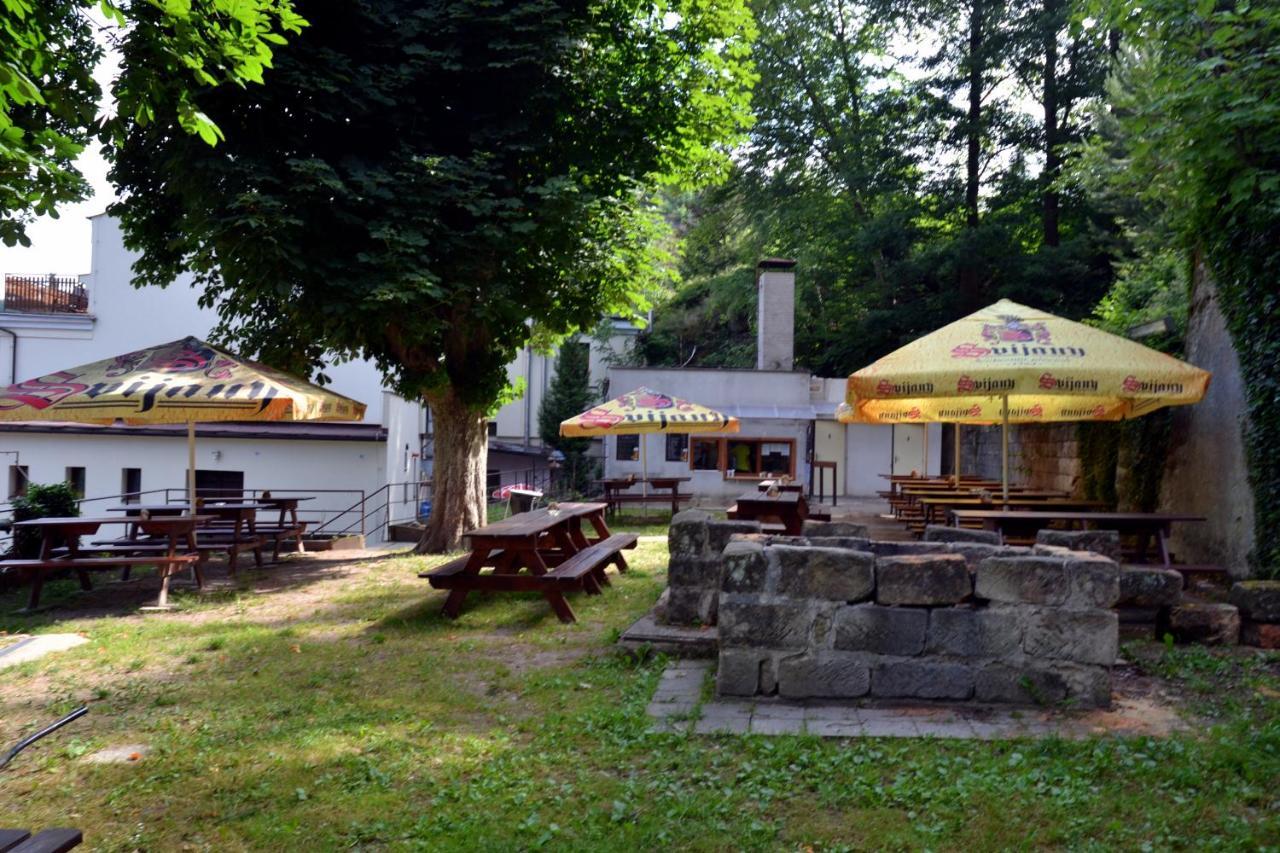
[[338, 473]]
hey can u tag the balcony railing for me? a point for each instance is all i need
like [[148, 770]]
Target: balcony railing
[[41, 294]]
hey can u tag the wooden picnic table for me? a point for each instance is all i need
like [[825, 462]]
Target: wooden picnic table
[[766, 485], [238, 531], [787, 508], [544, 551], [936, 509], [664, 489], [171, 544], [1142, 525]]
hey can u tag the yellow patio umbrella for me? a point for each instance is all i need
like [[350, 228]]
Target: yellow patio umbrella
[[185, 381], [645, 411], [1012, 364]]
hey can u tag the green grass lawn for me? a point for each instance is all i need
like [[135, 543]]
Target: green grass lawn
[[342, 711]]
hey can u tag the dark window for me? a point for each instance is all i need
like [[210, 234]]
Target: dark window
[[130, 484], [743, 457], [493, 428], [677, 447], [17, 480], [628, 447], [75, 479], [704, 454], [775, 457], [219, 484]]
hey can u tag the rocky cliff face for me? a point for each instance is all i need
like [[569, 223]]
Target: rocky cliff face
[[1205, 472]]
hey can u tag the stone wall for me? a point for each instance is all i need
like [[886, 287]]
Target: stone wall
[[1205, 472], [847, 617], [1045, 456]]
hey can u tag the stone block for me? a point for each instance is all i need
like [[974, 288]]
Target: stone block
[[689, 606], [823, 676], [746, 621], [834, 528], [1023, 580], [1095, 581], [922, 579], [700, 572], [1257, 600], [1262, 635], [1199, 622], [720, 532], [1084, 636], [738, 672], [744, 567], [853, 543], [974, 632], [1149, 586], [687, 535], [881, 630], [1085, 686], [1105, 542], [940, 533], [922, 680], [898, 549], [834, 574]]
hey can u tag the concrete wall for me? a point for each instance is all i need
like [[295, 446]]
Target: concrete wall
[[1205, 472]]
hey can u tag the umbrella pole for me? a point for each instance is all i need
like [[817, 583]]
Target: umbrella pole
[[191, 467], [956, 468], [1004, 451], [644, 474]]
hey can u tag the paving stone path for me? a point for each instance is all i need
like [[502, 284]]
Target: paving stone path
[[680, 705]]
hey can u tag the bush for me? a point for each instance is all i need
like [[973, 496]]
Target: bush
[[55, 500]]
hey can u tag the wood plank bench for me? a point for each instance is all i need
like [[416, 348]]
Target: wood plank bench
[[82, 565], [48, 841]]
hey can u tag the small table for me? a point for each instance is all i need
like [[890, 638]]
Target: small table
[[1143, 525], [615, 486], [789, 508]]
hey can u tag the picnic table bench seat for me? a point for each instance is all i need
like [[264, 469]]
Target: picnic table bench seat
[[48, 841], [82, 565]]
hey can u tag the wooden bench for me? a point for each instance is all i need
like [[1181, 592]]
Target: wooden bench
[[81, 566], [48, 841]]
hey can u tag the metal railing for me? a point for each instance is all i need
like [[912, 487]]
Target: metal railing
[[51, 294]]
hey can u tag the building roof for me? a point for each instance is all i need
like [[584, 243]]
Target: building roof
[[280, 430], [801, 412]]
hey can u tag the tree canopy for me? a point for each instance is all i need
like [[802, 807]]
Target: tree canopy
[[435, 185], [49, 99]]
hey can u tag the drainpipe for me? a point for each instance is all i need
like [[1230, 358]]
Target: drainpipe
[[13, 356], [528, 392]]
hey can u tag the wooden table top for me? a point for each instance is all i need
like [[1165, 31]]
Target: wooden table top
[[535, 522], [64, 521], [764, 497], [177, 508], [1039, 515]]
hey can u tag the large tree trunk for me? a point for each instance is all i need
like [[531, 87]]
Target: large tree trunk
[[1052, 156], [460, 439]]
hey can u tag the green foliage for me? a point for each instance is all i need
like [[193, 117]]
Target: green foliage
[[54, 500], [49, 99], [440, 186], [1196, 109], [570, 393], [857, 168]]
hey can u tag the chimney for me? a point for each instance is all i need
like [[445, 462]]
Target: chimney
[[775, 314]]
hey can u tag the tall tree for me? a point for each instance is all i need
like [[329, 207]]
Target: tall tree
[[49, 99], [569, 394], [434, 185]]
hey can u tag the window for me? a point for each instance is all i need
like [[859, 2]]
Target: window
[[75, 479], [677, 448], [130, 484], [704, 454], [493, 429], [628, 447], [744, 457], [18, 479], [219, 484]]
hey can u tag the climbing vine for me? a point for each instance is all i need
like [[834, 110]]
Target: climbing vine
[[1195, 144]]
